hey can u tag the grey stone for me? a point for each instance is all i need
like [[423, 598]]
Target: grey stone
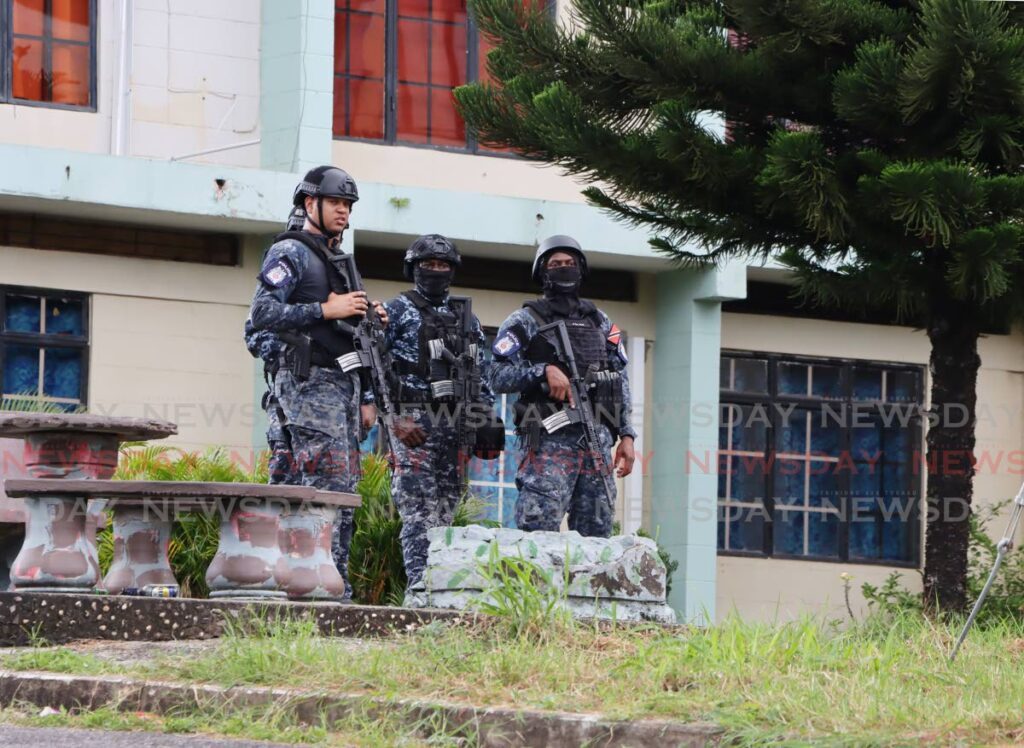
[[621, 577]]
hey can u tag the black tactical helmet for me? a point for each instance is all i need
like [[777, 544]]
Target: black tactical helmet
[[325, 181], [428, 246], [557, 243]]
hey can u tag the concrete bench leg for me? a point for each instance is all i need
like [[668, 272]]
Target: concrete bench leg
[[141, 537], [249, 562], [59, 551], [56, 555], [306, 542]]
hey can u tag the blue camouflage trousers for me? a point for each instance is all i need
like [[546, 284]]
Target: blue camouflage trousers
[[425, 487], [321, 431], [560, 477]]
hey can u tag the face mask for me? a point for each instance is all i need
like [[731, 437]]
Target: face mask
[[433, 283], [563, 281]]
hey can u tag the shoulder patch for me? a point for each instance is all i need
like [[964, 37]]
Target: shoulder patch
[[615, 335], [277, 273], [507, 344]]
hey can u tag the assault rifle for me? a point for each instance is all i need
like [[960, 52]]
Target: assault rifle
[[370, 356], [464, 387], [582, 410]]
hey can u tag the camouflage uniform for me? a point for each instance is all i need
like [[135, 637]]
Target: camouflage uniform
[[425, 481], [559, 476], [321, 413], [268, 347]]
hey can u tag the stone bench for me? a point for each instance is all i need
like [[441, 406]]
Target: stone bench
[[275, 540]]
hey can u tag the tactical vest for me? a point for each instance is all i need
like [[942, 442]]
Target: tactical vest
[[315, 285], [589, 347], [435, 324]]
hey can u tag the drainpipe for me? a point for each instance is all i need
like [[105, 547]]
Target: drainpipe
[[122, 114]]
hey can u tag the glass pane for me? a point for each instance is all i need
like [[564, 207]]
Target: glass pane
[[511, 457], [746, 528], [22, 314], [896, 538], [724, 374], [485, 470], [365, 51], [865, 528], [866, 480], [867, 384], [826, 381], [790, 479], [898, 444], [792, 433], [865, 441], [789, 532], [901, 387], [369, 6], [823, 488], [28, 17], [826, 436], [413, 49], [452, 11], [508, 507], [21, 370], [62, 373], [446, 126], [70, 19], [28, 74], [447, 55], [792, 379], [70, 74], [366, 102], [823, 534], [751, 375], [748, 479], [64, 317], [412, 113], [414, 8]]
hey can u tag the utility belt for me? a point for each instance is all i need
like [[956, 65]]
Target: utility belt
[[535, 414], [301, 352]]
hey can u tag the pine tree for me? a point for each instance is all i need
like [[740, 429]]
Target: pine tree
[[875, 146]]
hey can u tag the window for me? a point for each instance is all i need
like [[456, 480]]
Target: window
[[819, 459], [395, 65], [49, 52], [44, 346], [494, 481]]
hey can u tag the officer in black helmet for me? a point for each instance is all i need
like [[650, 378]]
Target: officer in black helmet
[[557, 474], [426, 482], [301, 290]]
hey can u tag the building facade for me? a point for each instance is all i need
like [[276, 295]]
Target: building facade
[[148, 152]]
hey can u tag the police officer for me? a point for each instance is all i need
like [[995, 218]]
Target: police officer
[[426, 482], [299, 294], [557, 473]]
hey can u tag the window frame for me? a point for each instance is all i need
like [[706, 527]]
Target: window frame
[[7, 66], [390, 138], [771, 398], [44, 340]]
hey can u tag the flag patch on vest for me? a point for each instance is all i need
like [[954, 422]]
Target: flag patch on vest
[[507, 344], [614, 335], [277, 274]]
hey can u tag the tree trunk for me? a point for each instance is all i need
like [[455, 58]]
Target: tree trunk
[[953, 332]]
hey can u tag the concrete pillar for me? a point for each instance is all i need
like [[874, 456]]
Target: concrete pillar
[[296, 84], [684, 417]]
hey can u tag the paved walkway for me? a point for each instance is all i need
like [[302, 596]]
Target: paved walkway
[[59, 737]]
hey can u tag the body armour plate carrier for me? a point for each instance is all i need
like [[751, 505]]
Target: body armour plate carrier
[[315, 285], [590, 348], [434, 325]]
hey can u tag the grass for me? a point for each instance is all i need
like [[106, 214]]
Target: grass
[[58, 661], [359, 729], [878, 683]]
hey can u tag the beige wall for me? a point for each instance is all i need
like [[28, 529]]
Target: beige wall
[[195, 85], [430, 168], [165, 338], [783, 589]]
